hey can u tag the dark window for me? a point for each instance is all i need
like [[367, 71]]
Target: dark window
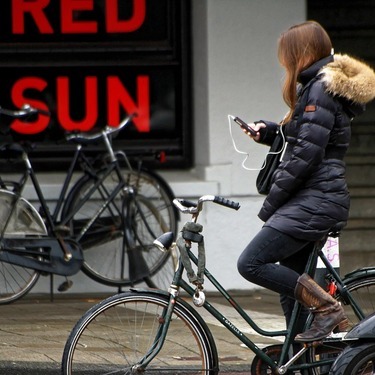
[[351, 26], [91, 63]]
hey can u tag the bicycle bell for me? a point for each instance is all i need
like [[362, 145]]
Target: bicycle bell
[[199, 298]]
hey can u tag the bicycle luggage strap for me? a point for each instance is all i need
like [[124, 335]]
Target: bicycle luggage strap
[[190, 233]]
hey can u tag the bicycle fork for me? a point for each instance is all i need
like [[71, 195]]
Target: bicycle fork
[[164, 321]]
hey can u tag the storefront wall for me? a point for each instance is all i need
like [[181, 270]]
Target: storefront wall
[[234, 72]]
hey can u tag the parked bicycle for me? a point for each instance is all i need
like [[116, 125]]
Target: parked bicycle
[[154, 331], [104, 222]]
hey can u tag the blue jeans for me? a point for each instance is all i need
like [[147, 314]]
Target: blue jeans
[[258, 264]]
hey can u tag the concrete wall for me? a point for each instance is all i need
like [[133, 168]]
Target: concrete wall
[[235, 71]]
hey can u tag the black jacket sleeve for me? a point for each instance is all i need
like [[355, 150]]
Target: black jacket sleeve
[[267, 134]]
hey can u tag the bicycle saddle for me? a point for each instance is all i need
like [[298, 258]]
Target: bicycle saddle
[[335, 230], [14, 150]]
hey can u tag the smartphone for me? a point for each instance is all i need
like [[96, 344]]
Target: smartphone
[[245, 126]]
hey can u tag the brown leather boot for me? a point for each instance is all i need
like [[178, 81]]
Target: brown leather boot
[[328, 313]]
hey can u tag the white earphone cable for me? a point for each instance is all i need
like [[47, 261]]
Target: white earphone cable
[[230, 118]]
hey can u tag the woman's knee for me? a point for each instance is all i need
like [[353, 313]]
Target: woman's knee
[[241, 266], [247, 265], [259, 252]]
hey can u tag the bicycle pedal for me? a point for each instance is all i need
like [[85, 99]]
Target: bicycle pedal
[[313, 344], [66, 285]]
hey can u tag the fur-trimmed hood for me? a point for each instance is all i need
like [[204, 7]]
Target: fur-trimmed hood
[[349, 78]]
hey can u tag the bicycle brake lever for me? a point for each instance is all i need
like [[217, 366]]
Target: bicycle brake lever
[[185, 207]]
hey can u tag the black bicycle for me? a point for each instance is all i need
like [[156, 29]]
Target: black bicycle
[[104, 222], [154, 331]]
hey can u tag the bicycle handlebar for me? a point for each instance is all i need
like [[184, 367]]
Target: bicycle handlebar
[[108, 130], [24, 111], [27, 110], [189, 207]]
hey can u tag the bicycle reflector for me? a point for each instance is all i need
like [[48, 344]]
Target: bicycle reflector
[[164, 242], [162, 157]]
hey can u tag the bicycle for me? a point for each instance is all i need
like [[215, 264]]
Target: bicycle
[[141, 331], [103, 223]]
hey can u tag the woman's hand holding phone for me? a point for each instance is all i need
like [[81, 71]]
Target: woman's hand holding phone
[[250, 129]]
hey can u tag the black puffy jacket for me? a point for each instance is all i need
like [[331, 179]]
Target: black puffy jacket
[[309, 193]]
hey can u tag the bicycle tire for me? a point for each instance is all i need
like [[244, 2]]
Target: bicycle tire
[[105, 260], [358, 359], [362, 289], [16, 281], [117, 332]]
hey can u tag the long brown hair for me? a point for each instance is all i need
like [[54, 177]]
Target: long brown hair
[[298, 48]]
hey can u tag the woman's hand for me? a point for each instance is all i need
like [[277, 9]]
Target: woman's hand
[[256, 126]]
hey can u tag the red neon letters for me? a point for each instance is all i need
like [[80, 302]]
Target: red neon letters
[[117, 95], [35, 14], [69, 24]]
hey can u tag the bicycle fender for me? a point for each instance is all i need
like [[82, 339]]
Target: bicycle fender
[[365, 329], [358, 274], [152, 291]]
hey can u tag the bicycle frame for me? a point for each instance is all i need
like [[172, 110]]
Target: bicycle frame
[[59, 245], [179, 283], [114, 166]]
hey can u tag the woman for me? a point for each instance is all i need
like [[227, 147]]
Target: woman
[[309, 194]]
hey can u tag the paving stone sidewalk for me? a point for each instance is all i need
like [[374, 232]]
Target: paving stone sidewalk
[[33, 330]]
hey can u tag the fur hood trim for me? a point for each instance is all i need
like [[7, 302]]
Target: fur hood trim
[[349, 78]]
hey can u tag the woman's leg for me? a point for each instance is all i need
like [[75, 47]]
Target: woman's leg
[[296, 262], [258, 261]]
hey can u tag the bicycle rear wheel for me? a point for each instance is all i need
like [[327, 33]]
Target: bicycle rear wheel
[[145, 262], [16, 281], [362, 290], [118, 241], [114, 335], [358, 359]]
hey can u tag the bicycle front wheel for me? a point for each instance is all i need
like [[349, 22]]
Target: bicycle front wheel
[[115, 335], [18, 218], [117, 236], [15, 282]]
